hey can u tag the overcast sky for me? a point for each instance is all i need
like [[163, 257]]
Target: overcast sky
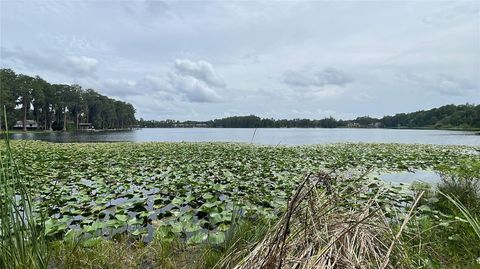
[[203, 60]]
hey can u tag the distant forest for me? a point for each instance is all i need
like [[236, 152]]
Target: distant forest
[[446, 117], [58, 106]]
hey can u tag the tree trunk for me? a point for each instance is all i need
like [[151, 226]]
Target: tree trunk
[[45, 123], [37, 118], [64, 120], [78, 119], [24, 123]]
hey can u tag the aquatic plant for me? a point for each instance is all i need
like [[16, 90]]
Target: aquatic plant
[[189, 189], [186, 195]]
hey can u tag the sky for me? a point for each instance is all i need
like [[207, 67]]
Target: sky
[[202, 60]]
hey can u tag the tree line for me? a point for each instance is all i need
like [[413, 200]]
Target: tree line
[[59, 106], [449, 116]]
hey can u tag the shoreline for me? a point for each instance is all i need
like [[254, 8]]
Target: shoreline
[[361, 128], [16, 131]]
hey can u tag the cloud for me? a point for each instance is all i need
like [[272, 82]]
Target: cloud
[[82, 64], [246, 47], [121, 87], [442, 83], [195, 81], [449, 85], [331, 76], [56, 61], [200, 70], [193, 89], [454, 12], [297, 79], [186, 81], [152, 8], [325, 77], [156, 7]]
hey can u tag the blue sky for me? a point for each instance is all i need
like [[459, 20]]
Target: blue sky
[[201, 60]]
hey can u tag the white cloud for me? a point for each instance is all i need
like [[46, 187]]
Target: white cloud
[[56, 61], [121, 87], [317, 84], [327, 76], [193, 89], [200, 70], [454, 12], [186, 81], [265, 58], [442, 84], [82, 64]]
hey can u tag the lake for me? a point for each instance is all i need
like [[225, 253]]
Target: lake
[[269, 136]]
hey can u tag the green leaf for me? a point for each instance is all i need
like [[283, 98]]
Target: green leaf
[[216, 238], [176, 227], [197, 238], [121, 217], [135, 221], [207, 196]]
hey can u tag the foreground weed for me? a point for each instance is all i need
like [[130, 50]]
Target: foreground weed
[[22, 241]]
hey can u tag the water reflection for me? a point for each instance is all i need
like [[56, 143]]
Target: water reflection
[[430, 177], [272, 136]]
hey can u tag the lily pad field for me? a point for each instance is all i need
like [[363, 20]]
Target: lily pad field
[[141, 195]]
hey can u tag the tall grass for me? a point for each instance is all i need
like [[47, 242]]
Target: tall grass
[[469, 218], [447, 233], [22, 240]]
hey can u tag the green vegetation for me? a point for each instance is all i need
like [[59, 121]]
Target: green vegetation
[[197, 205], [443, 234], [22, 235], [56, 106], [446, 117]]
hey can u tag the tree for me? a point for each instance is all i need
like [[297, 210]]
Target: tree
[[7, 97], [38, 98], [24, 90], [76, 103], [59, 103]]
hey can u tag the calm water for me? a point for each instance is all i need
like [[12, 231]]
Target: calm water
[[430, 177], [283, 136]]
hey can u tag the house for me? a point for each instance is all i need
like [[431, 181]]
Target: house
[[353, 125], [30, 124], [87, 126]]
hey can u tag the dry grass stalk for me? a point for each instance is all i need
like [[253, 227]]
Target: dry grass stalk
[[325, 227]]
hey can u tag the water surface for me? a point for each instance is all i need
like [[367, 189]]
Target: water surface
[[406, 177], [270, 136]]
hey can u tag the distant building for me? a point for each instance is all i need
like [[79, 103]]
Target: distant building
[[353, 125], [30, 124], [85, 126], [190, 125]]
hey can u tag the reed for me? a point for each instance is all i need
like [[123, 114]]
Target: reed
[[323, 229], [468, 217], [22, 237]]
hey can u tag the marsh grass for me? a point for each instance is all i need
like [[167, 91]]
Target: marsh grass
[[22, 241], [469, 218], [446, 233], [330, 224]]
